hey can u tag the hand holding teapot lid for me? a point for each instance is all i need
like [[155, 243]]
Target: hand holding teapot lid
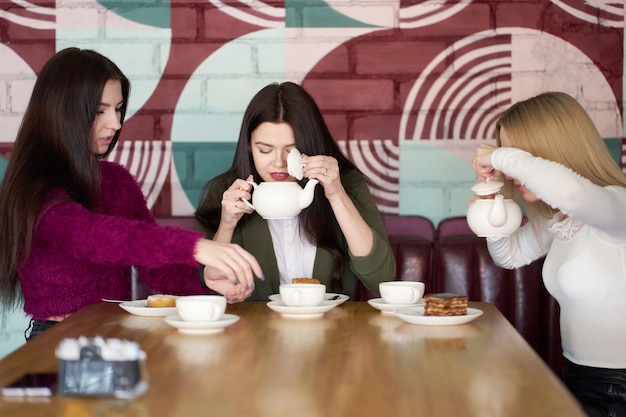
[[487, 188]]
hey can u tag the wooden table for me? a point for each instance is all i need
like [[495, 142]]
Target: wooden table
[[354, 361]]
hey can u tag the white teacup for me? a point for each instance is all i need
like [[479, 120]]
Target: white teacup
[[201, 307], [401, 292], [302, 295]]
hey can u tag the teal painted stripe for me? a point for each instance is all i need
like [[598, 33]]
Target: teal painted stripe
[[155, 13], [615, 148], [197, 162], [317, 14]]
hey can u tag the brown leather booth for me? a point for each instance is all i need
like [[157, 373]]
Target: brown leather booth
[[411, 239], [462, 264]]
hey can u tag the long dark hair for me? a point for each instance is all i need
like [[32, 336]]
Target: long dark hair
[[287, 102], [53, 150]]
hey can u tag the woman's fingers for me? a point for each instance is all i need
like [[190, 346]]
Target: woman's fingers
[[481, 163], [233, 206], [236, 264], [324, 169], [242, 265], [234, 293]]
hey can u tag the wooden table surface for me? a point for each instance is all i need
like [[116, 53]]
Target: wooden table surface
[[355, 361]]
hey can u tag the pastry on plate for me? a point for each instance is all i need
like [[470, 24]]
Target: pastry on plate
[[161, 300], [305, 281], [445, 304]]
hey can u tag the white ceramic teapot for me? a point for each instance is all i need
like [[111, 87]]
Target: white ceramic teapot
[[493, 217], [283, 200]]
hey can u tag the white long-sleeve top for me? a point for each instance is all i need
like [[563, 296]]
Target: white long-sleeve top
[[585, 266]]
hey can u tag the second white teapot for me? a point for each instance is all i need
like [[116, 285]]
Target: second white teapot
[[493, 217]]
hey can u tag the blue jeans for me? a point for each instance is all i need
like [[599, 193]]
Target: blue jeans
[[601, 391]]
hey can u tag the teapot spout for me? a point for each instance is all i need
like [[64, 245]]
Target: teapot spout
[[306, 195], [497, 214]]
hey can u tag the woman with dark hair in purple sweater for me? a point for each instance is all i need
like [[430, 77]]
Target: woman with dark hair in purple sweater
[[73, 224]]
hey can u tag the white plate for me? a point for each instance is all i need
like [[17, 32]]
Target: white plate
[[140, 308], [342, 297], [387, 308], [109, 300], [301, 312], [416, 315], [201, 327]]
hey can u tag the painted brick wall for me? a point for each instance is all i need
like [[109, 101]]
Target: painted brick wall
[[409, 89]]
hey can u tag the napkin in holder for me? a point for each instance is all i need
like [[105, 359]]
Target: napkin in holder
[[100, 367]]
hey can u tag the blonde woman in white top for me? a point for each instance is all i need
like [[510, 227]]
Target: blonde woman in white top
[[552, 156]]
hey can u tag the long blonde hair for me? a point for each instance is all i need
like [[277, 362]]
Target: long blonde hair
[[554, 126]]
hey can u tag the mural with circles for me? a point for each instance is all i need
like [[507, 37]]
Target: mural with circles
[[408, 88]]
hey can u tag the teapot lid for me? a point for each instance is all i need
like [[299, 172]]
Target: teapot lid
[[294, 164], [487, 188]]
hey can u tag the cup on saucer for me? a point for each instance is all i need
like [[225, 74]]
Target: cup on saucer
[[302, 295], [401, 292], [201, 307]]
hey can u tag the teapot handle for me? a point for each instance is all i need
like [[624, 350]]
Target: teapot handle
[[246, 202]]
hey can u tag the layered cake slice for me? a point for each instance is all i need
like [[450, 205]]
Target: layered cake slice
[[445, 304]]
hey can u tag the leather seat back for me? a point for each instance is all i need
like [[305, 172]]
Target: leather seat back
[[462, 264], [411, 239], [413, 263]]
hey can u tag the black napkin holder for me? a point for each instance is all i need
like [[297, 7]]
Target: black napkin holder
[[93, 376]]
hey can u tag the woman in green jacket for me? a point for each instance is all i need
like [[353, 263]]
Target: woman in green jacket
[[339, 239]]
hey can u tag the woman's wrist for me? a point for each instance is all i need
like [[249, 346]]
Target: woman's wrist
[[201, 276], [224, 233]]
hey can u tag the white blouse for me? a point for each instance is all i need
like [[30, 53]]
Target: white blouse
[[585, 266], [295, 255]]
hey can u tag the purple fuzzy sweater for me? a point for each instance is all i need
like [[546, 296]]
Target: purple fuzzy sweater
[[79, 256]]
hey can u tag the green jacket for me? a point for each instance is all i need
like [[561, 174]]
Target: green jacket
[[254, 236]]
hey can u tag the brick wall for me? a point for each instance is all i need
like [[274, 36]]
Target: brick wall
[[409, 89]]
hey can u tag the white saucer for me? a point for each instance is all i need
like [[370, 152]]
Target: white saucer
[[140, 308], [328, 297], [301, 312], [110, 300], [416, 315], [201, 327], [387, 308]]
